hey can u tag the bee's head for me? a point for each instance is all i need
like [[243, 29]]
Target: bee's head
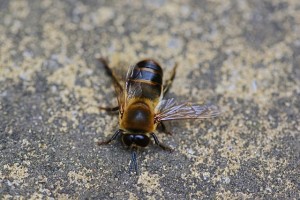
[[140, 140]]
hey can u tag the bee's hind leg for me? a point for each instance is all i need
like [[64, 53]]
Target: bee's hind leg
[[169, 82], [161, 145]]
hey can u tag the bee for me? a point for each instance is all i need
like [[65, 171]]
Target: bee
[[142, 107]]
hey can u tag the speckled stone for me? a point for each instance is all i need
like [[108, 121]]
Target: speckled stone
[[243, 56]]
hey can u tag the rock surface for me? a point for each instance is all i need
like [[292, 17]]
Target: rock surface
[[243, 56]]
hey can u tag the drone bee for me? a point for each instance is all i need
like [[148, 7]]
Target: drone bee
[[142, 108]]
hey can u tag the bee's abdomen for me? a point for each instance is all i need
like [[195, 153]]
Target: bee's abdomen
[[148, 74]]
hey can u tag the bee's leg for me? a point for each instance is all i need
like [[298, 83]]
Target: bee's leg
[[117, 84], [110, 72], [110, 109], [164, 129], [117, 133], [169, 82], [161, 145]]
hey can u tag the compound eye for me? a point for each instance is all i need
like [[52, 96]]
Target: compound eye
[[141, 140], [127, 139]]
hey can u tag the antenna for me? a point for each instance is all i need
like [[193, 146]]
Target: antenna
[[133, 162]]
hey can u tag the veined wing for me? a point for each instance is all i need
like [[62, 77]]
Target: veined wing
[[133, 87], [120, 96], [171, 110]]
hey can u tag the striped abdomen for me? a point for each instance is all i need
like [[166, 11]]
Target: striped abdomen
[[147, 74]]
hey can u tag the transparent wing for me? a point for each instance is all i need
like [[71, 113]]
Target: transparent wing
[[171, 110], [120, 95], [133, 87]]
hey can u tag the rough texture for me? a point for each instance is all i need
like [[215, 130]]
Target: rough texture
[[241, 55]]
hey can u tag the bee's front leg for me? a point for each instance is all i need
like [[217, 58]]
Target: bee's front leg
[[161, 145], [109, 109], [117, 133]]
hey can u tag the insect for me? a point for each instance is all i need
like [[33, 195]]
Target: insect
[[142, 108]]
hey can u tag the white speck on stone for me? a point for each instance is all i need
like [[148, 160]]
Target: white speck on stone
[[10, 184], [53, 89], [191, 151], [23, 77], [28, 54], [268, 189], [231, 87], [297, 42], [174, 43], [3, 94], [206, 176], [254, 85], [226, 180]]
